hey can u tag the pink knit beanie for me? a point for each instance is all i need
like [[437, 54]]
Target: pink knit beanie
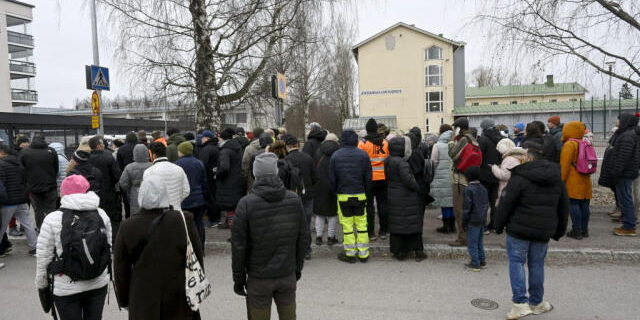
[[74, 184]]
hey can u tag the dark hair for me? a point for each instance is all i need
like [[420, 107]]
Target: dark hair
[[472, 173], [541, 126], [94, 142], [38, 136], [474, 132], [533, 130], [171, 131], [158, 149], [189, 136], [118, 143], [535, 151], [444, 128], [5, 149]]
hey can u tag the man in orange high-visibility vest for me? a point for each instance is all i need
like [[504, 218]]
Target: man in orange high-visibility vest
[[377, 148]]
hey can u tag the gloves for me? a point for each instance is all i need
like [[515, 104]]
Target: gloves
[[298, 275], [240, 288], [46, 299]]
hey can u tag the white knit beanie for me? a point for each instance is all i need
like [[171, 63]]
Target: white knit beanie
[[505, 145]]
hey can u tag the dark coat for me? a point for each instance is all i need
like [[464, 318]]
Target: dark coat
[[518, 139], [109, 198], [91, 173], [307, 168], [324, 200], [416, 161], [125, 154], [172, 146], [230, 184], [209, 156], [194, 169], [490, 155], [534, 205], [40, 163], [314, 140], [350, 168], [626, 149], [268, 237], [553, 144], [154, 286], [12, 178], [541, 141], [403, 207], [476, 205]]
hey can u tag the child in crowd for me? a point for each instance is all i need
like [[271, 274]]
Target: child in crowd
[[474, 216]]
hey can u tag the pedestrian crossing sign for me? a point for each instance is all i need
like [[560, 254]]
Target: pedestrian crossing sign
[[97, 78]]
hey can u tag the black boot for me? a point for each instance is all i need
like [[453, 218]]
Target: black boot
[[452, 225], [445, 226]]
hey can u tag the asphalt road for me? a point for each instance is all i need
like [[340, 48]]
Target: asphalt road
[[383, 289]]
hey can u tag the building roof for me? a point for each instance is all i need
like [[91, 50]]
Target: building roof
[[410, 27], [524, 90], [21, 3], [543, 107], [358, 124]]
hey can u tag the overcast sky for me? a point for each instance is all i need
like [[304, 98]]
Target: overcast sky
[[62, 32]]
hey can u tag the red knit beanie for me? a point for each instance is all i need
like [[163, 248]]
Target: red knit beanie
[[555, 120]]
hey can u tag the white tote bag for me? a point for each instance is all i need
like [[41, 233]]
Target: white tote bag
[[197, 285]]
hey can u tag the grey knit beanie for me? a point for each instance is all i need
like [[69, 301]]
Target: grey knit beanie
[[265, 164], [487, 123]]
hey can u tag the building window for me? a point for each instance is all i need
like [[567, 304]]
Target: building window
[[514, 102], [241, 118], [427, 123], [433, 53], [573, 100], [533, 101], [553, 100], [433, 75], [475, 103], [434, 101], [493, 103], [229, 118]]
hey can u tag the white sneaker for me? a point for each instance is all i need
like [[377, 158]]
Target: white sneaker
[[1, 265], [543, 307], [439, 217], [519, 310]]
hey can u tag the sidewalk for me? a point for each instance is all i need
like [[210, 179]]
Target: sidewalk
[[601, 246]]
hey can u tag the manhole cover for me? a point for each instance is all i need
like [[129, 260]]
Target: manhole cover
[[484, 304]]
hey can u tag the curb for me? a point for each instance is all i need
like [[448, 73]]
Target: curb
[[446, 252]]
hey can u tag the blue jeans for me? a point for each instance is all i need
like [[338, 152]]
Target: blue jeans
[[475, 245], [625, 201], [197, 217], [447, 212], [579, 215], [308, 213], [533, 253]]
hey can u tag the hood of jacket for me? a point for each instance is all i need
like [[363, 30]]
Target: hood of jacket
[[269, 188], [176, 139], [232, 144], [493, 134], [153, 193], [80, 201], [38, 144], [13, 160], [627, 120], [375, 138], [540, 172], [397, 147], [140, 153], [516, 152], [317, 134], [573, 130], [328, 148], [349, 138], [58, 147], [445, 137], [212, 142]]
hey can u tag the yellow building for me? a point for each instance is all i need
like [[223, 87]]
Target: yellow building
[[411, 75], [548, 92]]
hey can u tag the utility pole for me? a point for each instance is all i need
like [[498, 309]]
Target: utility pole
[[96, 55], [610, 65]]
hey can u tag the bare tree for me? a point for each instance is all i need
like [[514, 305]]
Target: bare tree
[[483, 76], [586, 32]]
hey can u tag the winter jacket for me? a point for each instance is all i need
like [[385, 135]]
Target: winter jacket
[[131, 177], [403, 207], [534, 205], [307, 168], [378, 150], [125, 154], [12, 178], [49, 240], [41, 167], [175, 179], [314, 140], [269, 235], [455, 148], [109, 198], [578, 185], [490, 155], [230, 184], [553, 144], [3, 194], [91, 173], [350, 168], [197, 181], [172, 146], [63, 162], [441, 187], [475, 205], [502, 172], [417, 164], [250, 153], [324, 197], [518, 139], [209, 157], [626, 149]]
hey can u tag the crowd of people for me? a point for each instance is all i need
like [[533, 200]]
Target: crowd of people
[[267, 190]]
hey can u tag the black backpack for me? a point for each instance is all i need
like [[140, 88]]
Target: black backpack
[[294, 178], [86, 250]]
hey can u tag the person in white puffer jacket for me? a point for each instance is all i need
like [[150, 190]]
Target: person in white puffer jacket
[[172, 175], [71, 297]]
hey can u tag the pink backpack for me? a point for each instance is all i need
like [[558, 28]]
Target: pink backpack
[[587, 162]]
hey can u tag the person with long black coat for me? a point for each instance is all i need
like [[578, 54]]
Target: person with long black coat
[[110, 200], [418, 169], [405, 218], [209, 153], [150, 279], [535, 135], [41, 167], [490, 156], [230, 184], [325, 205], [314, 140]]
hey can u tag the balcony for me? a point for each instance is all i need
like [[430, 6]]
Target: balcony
[[19, 41], [22, 69], [22, 97]]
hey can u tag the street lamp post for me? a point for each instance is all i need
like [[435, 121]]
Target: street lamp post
[[96, 55]]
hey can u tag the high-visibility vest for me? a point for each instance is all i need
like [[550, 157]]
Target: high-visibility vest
[[377, 156]]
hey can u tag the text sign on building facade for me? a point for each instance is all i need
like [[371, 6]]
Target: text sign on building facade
[[380, 92]]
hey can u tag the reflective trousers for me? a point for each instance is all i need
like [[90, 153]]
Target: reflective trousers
[[352, 210]]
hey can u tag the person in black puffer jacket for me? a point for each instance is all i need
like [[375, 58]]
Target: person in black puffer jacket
[[534, 207], [230, 184], [405, 218], [84, 168], [417, 162], [125, 153], [268, 243], [490, 156], [40, 163], [208, 154], [314, 140], [325, 206], [110, 200]]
